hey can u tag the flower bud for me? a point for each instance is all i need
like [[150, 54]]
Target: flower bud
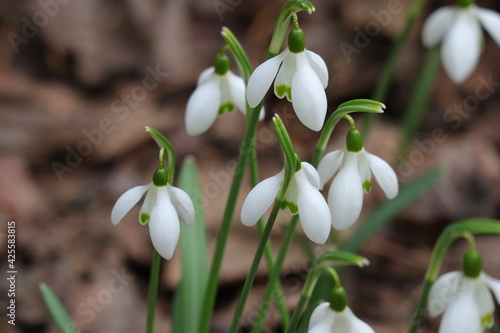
[[296, 40]]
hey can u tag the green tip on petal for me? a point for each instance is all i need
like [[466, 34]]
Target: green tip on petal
[[283, 91], [160, 177], [354, 141], [296, 41], [293, 208], [338, 299], [221, 64], [144, 218], [487, 320], [472, 264], [367, 186], [229, 107]]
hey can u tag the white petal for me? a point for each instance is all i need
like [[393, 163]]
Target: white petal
[[203, 106], [126, 201], [384, 174], [314, 213], [494, 286], [483, 298], [308, 96], [364, 166], [318, 64], [329, 164], [237, 91], [182, 204], [461, 46], [490, 21], [164, 227], [436, 26], [311, 173], [261, 79], [322, 319], [205, 75], [443, 292], [260, 199], [285, 76], [462, 316], [345, 197], [356, 325], [148, 205]]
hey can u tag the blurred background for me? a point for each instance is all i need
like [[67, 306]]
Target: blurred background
[[79, 80]]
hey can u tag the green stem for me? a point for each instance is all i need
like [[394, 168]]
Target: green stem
[[419, 99], [253, 268], [153, 291], [213, 278], [268, 251], [385, 79], [275, 274], [462, 229]]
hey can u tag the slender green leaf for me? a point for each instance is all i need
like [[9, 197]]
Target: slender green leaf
[[59, 315], [189, 295]]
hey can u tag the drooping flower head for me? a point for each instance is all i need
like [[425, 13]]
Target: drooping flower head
[[302, 197], [298, 74], [218, 90], [355, 167], [336, 316], [162, 207], [464, 298], [458, 29]]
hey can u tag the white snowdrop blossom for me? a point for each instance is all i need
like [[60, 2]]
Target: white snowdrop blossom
[[355, 167], [162, 208], [466, 303], [302, 197], [218, 90], [325, 320], [458, 28], [298, 74]]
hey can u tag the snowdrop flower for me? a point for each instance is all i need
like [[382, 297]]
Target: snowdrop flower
[[301, 76], [458, 28], [354, 166], [324, 319], [465, 300], [163, 206], [218, 90], [302, 196]]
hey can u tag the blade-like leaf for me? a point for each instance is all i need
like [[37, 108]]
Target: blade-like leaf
[[189, 295], [57, 311]]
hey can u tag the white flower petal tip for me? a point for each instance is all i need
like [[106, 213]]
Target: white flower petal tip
[[213, 93], [126, 201], [324, 319], [260, 199], [345, 197], [466, 303], [459, 31], [161, 209], [301, 78]]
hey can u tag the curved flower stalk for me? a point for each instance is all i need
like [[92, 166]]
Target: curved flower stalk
[[162, 207], [302, 197], [218, 90], [325, 320], [464, 298], [298, 74], [458, 29], [355, 167]]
